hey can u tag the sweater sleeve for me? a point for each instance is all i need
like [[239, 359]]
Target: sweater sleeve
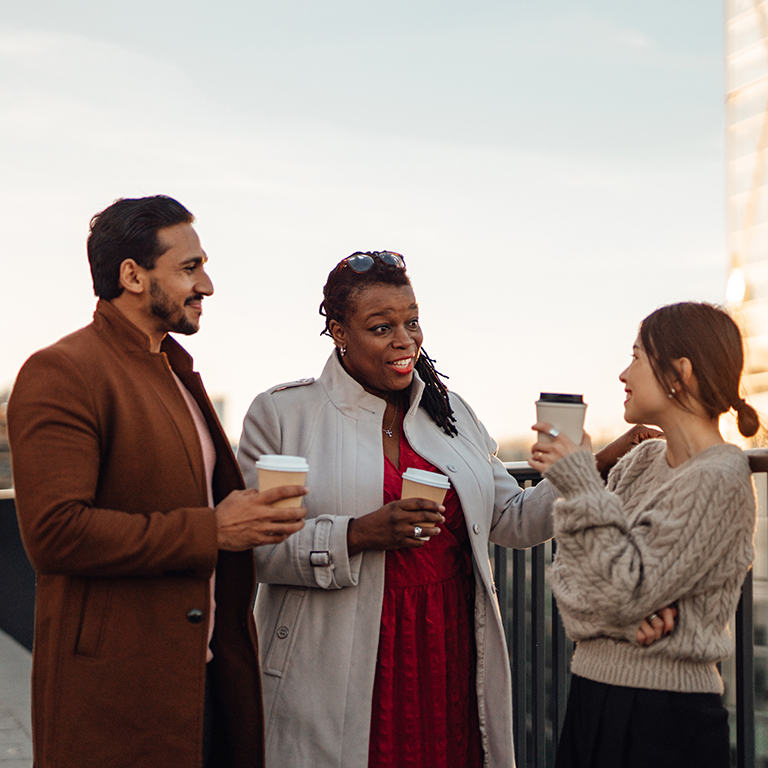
[[290, 562], [612, 570]]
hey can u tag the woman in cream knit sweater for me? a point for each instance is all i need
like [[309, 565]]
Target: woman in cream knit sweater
[[674, 526]]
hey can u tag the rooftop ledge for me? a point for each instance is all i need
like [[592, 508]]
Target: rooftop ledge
[[758, 462]]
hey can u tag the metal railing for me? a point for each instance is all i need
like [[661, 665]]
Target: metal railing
[[540, 652]]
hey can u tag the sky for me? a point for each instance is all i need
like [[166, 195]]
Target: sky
[[552, 173]]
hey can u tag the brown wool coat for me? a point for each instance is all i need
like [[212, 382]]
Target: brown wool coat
[[113, 510]]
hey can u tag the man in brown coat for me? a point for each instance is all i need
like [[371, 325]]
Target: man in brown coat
[[131, 507]]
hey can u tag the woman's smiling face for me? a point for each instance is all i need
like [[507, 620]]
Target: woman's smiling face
[[382, 337], [646, 400]]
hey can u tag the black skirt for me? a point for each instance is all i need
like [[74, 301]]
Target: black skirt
[[610, 726]]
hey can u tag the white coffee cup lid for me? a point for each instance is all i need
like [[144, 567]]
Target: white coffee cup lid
[[276, 463], [426, 478]]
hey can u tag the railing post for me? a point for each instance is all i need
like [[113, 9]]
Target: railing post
[[519, 647], [745, 679], [538, 659], [562, 649], [502, 587]]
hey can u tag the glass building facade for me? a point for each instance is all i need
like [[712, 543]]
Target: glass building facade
[[746, 72], [746, 65]]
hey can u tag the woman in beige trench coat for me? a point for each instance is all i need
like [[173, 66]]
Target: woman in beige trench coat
[[319, 603]]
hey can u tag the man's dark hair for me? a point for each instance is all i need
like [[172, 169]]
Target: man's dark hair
[[127, 229]]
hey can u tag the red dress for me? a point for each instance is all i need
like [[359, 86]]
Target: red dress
[[424, 699]]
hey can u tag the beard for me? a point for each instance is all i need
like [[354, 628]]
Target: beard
[[170, 312]]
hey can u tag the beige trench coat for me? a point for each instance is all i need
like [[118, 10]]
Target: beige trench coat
[[319, 624]]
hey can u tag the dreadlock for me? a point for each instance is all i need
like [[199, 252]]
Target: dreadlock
[[435, 398], [340, 289]]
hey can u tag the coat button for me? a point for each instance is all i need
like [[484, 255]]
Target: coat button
[[475, 528], [283, 632], [194, 615], [451, 467]]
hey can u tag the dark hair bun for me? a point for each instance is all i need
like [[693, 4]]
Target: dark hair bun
[[747, 419]]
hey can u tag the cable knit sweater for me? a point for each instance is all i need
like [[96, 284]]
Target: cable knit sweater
[[655, 535]]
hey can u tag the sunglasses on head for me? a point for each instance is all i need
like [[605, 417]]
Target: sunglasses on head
[[361, 262]]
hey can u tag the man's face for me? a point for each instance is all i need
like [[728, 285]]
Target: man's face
[[179, 281]]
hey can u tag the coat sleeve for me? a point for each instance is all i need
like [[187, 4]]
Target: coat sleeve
[[521, 518], [57, 443], [616, 571], [291, 562]]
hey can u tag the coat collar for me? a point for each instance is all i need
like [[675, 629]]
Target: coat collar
[[120, 331], [350, 397]]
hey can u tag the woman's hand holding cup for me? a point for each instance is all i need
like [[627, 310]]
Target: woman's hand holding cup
[[557, 445], [394, 525]]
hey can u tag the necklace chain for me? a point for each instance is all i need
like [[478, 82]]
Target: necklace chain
[[388, 432]]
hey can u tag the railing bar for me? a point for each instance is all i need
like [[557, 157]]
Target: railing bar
[[538, 659], [502, 587], [562, 648], [745, 679], [519, 676], [562, 651]]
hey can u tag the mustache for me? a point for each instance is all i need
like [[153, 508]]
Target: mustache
[[196, 297]]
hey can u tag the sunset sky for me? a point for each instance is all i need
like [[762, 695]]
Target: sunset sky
[[552, 173]]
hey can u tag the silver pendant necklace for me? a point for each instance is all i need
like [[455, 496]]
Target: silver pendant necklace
[[388, 432]]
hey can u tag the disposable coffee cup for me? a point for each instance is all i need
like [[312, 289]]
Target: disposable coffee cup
[[275, 471], [564, 412], [420, 484]]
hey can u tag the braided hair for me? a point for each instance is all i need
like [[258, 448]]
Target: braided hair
[[339, 293]]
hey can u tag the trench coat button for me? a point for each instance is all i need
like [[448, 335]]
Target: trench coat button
[[476, 528], [283, 632], [451, 467], [194, 615]]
